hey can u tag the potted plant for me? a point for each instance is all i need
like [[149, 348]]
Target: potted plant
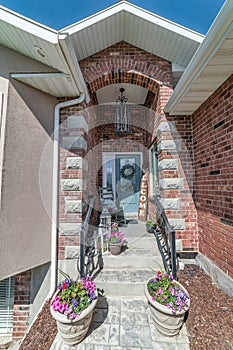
[[72, 307], [151, 225], [116, 239], [169, 301]]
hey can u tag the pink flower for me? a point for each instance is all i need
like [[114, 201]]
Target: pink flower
[[61, 308], [72, 316], [56, 305]]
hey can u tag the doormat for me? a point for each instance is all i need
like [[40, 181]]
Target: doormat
[[132, 221]]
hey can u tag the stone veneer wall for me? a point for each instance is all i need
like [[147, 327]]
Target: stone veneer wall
[[73, 168], [176, 179], [213, 154]]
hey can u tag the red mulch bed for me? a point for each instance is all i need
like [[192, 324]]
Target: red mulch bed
[[209, 323], [210, 319], [42, 332]]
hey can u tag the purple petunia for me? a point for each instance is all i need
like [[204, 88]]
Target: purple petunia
[[93, 296], [74, 302]]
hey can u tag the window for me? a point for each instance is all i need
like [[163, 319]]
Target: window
[[7, 287], [154, 174]]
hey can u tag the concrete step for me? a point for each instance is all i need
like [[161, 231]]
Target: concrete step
[[145, 241], [133, 258], [126, 283]]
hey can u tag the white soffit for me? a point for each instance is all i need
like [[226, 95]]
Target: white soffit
[[141, 28], [30, 38], [55, 84], [210, 67], [42, 44]]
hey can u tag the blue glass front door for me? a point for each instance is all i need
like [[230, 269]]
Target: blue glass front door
[[127, 181]]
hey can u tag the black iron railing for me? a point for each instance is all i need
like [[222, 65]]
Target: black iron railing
[[166, 240], [86, 243]]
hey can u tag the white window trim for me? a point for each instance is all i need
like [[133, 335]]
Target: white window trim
[[6, 305], [151, 189]]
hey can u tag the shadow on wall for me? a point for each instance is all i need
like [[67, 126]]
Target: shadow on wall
[[40, 104]]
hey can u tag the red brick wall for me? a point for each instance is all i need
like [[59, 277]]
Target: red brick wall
[[126, 63], [21, 304], [213, 152]]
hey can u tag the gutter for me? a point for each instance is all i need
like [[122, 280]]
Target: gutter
[[54, 259], [216, 35], [69, 55]]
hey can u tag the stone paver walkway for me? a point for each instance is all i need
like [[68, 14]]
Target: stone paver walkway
[[121, 319], [124, 325]]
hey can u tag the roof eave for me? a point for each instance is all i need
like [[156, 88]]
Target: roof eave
[[28, 25], [216, 35]]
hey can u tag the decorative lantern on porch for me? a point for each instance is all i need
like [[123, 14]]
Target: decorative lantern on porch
[[105, 220], [122, 126]]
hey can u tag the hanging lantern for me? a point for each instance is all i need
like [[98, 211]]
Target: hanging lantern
[[122, 126]]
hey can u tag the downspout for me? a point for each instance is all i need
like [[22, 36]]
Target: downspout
[[53, 270]]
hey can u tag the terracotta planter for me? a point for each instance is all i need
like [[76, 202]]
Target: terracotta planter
[[115, 248], [165, 321], [73, 332]]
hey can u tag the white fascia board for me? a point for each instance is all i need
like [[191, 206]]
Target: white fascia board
[[137, 11], [164, 23], [216, 35], [28, 25], [76, 27]]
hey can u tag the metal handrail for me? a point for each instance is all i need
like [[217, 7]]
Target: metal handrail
[[167, 235], [83, 236]]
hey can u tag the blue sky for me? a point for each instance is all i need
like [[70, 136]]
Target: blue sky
[[195, 14]]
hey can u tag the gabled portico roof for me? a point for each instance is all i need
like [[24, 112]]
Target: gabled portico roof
[[141, 28], [60, 50]]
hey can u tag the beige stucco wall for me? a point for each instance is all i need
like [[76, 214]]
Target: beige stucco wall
[[25, 224], [3, 106]]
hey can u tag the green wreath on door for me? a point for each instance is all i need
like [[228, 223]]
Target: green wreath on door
[[128, 171]]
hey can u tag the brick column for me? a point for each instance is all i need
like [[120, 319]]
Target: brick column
[[21, 305], [73, 147]]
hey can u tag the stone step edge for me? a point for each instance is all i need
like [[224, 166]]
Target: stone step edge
[[109, 255], [110, 269], [112, 297]]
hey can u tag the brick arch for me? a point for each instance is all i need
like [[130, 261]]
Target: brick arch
[[125, 63], [135, 78]]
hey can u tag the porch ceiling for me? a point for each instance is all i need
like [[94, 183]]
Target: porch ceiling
[[135, 94]]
